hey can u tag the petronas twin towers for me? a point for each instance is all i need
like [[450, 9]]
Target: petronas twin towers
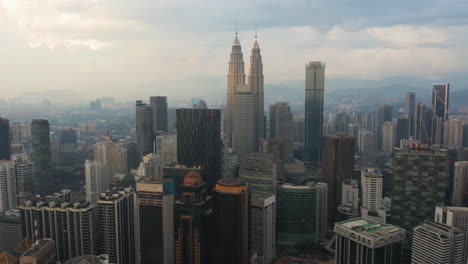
[[254, 87]]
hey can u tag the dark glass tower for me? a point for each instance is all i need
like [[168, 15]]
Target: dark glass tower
[[410, 110], [199, 141], [4, 139], [403, 129], [159, 107], [440, 108], [314, 91], [41, 156], [144, 129], [338, 166], [384, 114], [423, 123]]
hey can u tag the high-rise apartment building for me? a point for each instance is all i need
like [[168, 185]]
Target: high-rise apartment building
[[150, 167], [41, 156], [281, 122], [453, 134], [384, 114], [349, 198], [301, 213], [455, 217], [426, 170], [73, 224], [10, 228], [229, 234], [435, 243], [5, 150], [244, 138], [314, 93], [117, 234], [258, 171], [388, 136], [423, 123], [144, 129], [371, 186], [166, 148], [410, 110], [159, 113], [8, 184], [440, 111], [262, 237], [362, 241], [338, 166], [255, 82], [199, 141], [460, 184], [24, 176], [155, 201], [192, 211], [97, 180], [112, 154]]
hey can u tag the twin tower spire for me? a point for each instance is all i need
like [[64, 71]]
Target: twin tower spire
[[236, 77]]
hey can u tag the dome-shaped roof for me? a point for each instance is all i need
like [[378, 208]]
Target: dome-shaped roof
[[193, 178]]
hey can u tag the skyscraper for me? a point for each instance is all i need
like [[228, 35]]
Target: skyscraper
[[453, 134], [388, 136], [435, 243], [423, 123], [112, 154], [384, 114], [10, 228], [440, 109], [426, 170], [281, 122], [274, 146], [166, 148], [455, 217], [236, 76], [159, 113], [199, 141], [244, 138], [4, 139], [314, 92], [371, 186], [365, 242], [338, 166], [255, 81], [258, 170], [460, 184], [97, 180], [24, 176], [117, 225], [8, 184], [403, 129], [410, 110], [41, 156], [229, 235], [262, 237], [192, 211], [144, 129]]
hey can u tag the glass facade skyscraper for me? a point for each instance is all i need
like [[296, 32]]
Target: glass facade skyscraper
[[144, 129], [41, 155], [159, 109], [4, 139]]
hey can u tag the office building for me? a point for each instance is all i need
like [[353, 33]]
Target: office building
[[301, 213], [338, 166], [67, 140], [236, 76], [150, 167], [112, 154], [192, 211], [72, 224], [255, 82], [5, 150], [166, 148], [8, 185], [435, 243], [367, 145], [389, 136], [258, 171], [117, 234], [384, 114], [410, 110], [230, 163], [349, 199], [403, 129], [460, 184], [159, 113], [371, 186], [229, 234], [426, 170], [456, 217], [177, 172], [281, 122], [453, 134], [440, 111], [155, 201], [15, 132], [97, 180], [41, 252], [144, 129], [314, 93], [199, 141], [298, 128], [244, 138], [41, 156], [342, 122], [274, 146], [362, 241], [353, 131], [423, 123], [262, 237], [10, 230]]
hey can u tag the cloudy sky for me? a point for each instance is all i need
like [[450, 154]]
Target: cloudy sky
[[127, 48]]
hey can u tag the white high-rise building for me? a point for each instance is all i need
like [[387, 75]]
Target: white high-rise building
[[243, 121], [371, 186], [263, 226], [460, 184], [349, 198], [112, 154], [455, 217], [150, 166], [166, 148], [388, 136], [435, 243], [8, 183], [24, 176], [97, 180], [453, 134]]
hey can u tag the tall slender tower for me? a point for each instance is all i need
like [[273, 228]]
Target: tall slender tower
[[255, 81], [236, 76]]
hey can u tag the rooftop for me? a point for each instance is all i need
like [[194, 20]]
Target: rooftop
[[46, 242]]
